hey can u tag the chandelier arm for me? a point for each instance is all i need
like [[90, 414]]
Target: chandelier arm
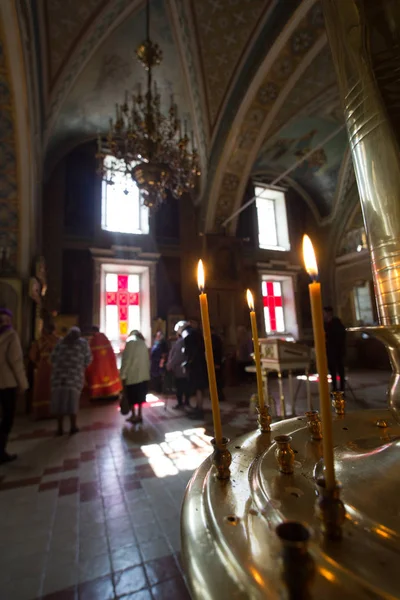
[[148, 20]]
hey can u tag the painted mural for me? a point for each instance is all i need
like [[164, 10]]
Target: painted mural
[[317, 174], [112, 70], [9, 218]]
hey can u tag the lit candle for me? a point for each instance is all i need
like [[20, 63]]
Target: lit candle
[[322, 363], [256, 344], [212, 382]]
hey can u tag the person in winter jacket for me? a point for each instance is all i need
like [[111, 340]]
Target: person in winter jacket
[[135, 373], [12, 379]]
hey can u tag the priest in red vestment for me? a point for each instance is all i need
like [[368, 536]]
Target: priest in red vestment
[[102, 375]]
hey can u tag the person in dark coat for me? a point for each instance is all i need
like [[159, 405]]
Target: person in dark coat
[[195, 366], [335, 339], [158, 359]]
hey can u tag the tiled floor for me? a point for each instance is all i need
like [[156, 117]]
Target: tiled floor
[[96, 516]]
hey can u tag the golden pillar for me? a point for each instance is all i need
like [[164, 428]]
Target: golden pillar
[[364, 37]]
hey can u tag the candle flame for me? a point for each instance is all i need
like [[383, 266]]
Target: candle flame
[[250, 300], [310, 261], [200, 276]]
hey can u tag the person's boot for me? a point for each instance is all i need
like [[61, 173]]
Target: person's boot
[[4, 456]]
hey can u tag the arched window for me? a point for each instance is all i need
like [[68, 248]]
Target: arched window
[[122, 211]]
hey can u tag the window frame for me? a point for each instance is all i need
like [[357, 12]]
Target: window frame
[[263, 192], [142, 212]]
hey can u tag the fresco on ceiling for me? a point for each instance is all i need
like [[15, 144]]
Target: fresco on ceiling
[[112, 70], [318, 174]]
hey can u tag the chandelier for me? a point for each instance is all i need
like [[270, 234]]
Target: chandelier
[[147, 145]]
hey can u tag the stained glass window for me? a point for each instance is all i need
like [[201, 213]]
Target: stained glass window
[[273, 306], [122, 306], [122, 210]]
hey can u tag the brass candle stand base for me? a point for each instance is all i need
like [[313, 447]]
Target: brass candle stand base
[[298, 566], [222, 458], [264, 419], [314, 424], [339, 403], [284, 454], [330, 510]]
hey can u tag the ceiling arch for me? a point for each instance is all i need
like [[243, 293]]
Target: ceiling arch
[[296, 47]]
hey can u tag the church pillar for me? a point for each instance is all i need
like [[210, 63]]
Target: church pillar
[[364, 39], [19, 236]]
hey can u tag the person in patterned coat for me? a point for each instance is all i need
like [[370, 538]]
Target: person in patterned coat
[[69, 361]]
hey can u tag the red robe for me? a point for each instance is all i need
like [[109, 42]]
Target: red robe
[[39, 354], [102, 375]]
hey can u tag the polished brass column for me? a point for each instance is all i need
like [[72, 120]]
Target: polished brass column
[[364, 40]]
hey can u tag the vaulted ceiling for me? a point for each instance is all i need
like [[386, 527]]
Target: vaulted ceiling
[[254, 78]]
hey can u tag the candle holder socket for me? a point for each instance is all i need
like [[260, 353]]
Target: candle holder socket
[[314, 424], [264, 419], [284, 454], [331, 510], [298, 566], [221, 458], [338, 403]]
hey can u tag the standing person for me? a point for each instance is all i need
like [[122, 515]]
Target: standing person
[[158, 358], [335, 338], [135, 373], [243, 352], [218, 353], [39, 355], [102, 375], [12, 379], [69, 361], [175, 365], [195, 367]]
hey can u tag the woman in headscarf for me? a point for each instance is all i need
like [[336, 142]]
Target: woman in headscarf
[[69, 360], [135, 373]]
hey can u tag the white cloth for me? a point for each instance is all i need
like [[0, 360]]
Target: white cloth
[[135, 366], [12, 370]]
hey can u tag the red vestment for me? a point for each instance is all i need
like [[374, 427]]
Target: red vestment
[[39, 354], [102, 375]]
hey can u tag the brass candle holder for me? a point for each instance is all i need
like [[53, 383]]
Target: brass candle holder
[[338, 403], [284, 454], [314, 424], [298, 566], [331, 510], [222, 458], [264, 419]]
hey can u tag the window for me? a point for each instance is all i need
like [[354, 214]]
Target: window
[[273, 231], [122, 211], [273, 306], [280, 316], [363, 304], [122, 307]]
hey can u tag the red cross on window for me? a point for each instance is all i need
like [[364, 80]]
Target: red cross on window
[[272, 299], [123, 299]]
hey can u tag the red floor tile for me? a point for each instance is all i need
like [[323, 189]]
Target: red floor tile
[[130, 580], [174, 588], [69, 594], [10, 485], [161, 570], [132, 485], [68, 486], [70, 464], [98, 589], [88, 456], [48, 485]]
